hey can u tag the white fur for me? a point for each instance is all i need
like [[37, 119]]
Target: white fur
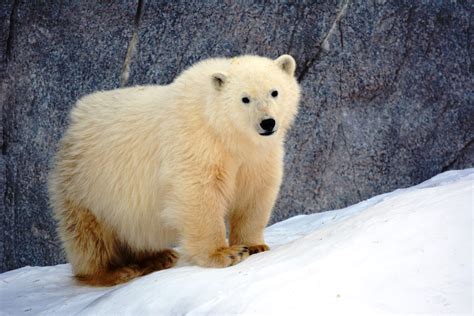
[[163, 164]]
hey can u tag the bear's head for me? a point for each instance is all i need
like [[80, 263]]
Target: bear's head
[[256, 96]]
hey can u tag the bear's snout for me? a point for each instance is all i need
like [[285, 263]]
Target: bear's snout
[[267, 126]]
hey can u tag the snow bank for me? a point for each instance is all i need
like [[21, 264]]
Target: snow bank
[[409, 251]]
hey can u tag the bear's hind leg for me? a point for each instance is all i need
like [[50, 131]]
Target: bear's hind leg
[[110, 276], [134, 266], [97, 257], [154, 261]]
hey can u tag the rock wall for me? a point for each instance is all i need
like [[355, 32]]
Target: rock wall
[[387, 91]]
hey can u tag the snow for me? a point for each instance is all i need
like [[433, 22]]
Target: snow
[[409, 251]]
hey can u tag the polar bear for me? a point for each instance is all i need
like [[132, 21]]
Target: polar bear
[[141, 170]]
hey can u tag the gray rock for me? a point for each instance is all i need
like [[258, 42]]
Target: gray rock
[[60, 52], [388, 105], [387, 92]]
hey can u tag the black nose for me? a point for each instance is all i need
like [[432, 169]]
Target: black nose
[[267, 124]]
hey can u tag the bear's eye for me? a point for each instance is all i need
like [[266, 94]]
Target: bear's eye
[[274, 93], [245, 100]]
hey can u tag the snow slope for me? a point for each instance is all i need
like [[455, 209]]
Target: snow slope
[[409, 251]]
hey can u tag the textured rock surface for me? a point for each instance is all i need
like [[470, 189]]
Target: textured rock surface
[[387, 92]]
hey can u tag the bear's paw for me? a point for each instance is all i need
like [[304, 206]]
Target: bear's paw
[[258, 248], [229, 256]]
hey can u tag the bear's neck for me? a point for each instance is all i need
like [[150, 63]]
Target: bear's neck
[[243, 147]]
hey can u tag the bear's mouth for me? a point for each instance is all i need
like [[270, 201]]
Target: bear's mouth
[[267, 133]]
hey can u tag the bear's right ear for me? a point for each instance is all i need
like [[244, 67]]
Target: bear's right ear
[[218, 80]]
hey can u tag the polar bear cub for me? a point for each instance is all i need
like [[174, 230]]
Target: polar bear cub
[[144, 169]]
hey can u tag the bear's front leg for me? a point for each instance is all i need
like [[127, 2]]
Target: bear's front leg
[[247, 226], [257, 190], [203, 231]]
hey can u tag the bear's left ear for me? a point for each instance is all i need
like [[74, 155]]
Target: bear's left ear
[[287, 64], [218, 80]]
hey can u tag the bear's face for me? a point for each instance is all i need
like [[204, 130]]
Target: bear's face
[[259, 96]]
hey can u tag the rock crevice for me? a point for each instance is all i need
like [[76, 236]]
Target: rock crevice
[[324, 44], [132, 45], [11, 30]]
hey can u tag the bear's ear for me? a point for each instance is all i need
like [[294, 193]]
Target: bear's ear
[[287, 64], [218, 80]]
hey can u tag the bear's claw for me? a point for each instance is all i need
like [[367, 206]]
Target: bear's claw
[[258, 248], [229, 256]]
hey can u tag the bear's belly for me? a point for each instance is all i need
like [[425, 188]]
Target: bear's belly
[[134, 210], [147, 235], [141, 223]]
